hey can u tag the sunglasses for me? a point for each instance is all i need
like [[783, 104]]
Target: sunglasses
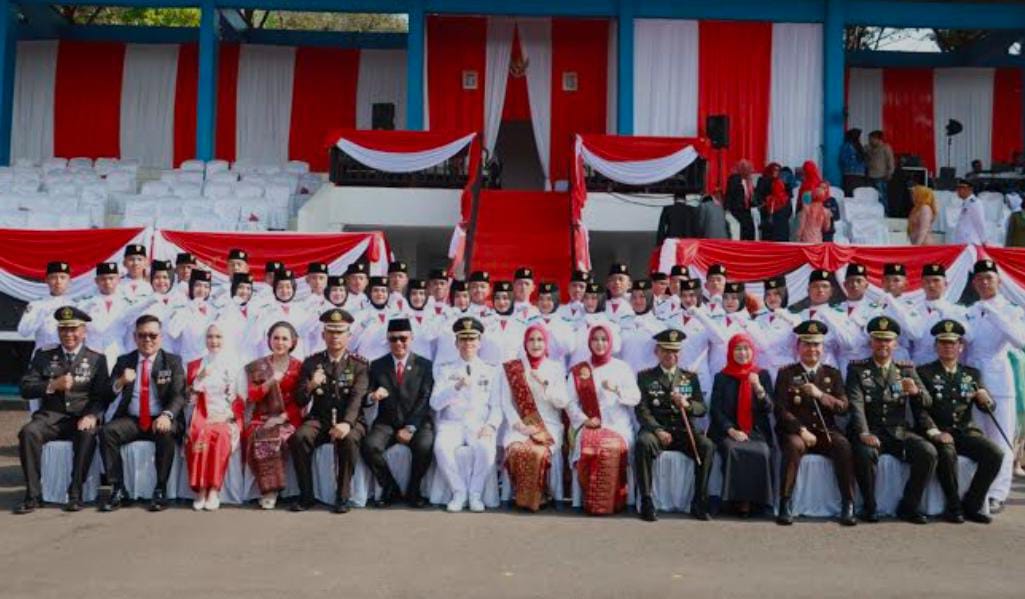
[[398, 339], [150, 336]]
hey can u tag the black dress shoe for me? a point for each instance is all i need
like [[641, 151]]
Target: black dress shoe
[[978, 517], [699, 510], [158, 502], [847, 514], [341, 506], [28, 506], [784, 518], [417, 502], [911, 515], [648, 510], [869, 514], [118, 498], [74, 504], [301, 505], [953, 516]]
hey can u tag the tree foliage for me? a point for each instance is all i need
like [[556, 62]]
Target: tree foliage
[[256, 19]]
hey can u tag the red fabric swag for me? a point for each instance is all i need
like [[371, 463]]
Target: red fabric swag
[[87, 99], [908, 113], [319, 103], [26, 252]]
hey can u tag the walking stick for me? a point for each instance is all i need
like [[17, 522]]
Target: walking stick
[[993, 417], [690, 436]]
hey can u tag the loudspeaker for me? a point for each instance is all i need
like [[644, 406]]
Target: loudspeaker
[[717, 126], [383, 116]]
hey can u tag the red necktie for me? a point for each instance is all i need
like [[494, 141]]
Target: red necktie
[[285, 308], [108, 302], [849, 310], [145, 418], [380, 315], [686, 319], [614, 308], [437, 310], [398, 373], [202, 310]]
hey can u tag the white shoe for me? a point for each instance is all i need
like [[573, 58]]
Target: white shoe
[[268, 501], [476, 504], [199, 502], [213, 500], [457, 503]]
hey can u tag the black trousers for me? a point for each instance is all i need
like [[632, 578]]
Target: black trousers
[[124, 430], [647, 448], [836, 447], [381, 437], [53, 426], [747, 224], [307, 438], [986, 454], [914, 450]]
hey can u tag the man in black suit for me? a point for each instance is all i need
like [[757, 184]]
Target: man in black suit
[[740, 190], [73, 387], [402, 382], [150, 386]]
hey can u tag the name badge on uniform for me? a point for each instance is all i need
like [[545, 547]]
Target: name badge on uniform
[[163, 377], [483, 383]]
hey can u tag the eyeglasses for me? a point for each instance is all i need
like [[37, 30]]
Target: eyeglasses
[[149, 336], [398, 339]]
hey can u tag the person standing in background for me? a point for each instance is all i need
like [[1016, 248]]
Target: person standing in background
[[881, 164], [852, 160]]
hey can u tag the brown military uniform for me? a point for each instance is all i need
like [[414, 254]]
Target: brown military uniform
[[796, 409]]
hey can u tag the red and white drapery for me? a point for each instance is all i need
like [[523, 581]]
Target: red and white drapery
[[627, 160], [25, 253], [468, 63], [753, 262], [913, 106], [769, 84], [275, 103], [23, 259]]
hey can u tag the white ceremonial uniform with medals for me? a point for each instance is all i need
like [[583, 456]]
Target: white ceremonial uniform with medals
[[995, 326], [371, 334], [525, 311], [459, 416], [638, 345], [721, 327], [923, 348], [839, 337], [505, 339], [135, 289], [38, 323], [161, 305], [618, 307], [971, 224], [424, 332], [571, 312], [188, 328], [857, 346], [315, 305], [106, 332]]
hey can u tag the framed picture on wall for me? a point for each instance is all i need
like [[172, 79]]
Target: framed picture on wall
[[469, 79], [569, 81]]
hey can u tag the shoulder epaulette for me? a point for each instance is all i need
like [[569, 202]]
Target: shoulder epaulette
[[358, 358]]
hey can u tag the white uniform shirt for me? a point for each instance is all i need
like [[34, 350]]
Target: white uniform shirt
[[472, 406], [923, 348], [37, 322], [971, 225]]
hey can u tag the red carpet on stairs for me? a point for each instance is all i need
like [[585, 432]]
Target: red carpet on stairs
[[524, 228]]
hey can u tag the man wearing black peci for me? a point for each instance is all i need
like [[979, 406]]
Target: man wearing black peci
[[73, 387], [333, 383], [401, 384], [151, 386]]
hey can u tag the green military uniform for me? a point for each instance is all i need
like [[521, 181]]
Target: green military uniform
[[879, 407], [952, 395], [339, 399], [657, 412]]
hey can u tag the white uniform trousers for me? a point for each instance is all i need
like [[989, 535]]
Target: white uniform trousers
[[449, 437]]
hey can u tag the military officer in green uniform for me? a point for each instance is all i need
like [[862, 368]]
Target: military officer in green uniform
[[72, 385], [671, 399], [947, 423], [333, 383], [879, 390]]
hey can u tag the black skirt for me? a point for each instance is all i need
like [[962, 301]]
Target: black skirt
[[747, 471]]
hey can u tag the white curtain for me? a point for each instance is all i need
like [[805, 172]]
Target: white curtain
[[865, 101], [536, 43], [35, 76], [666, 77], [965, 95], [382, 79], [795, 113], [147, 103], [264, 104], [496, 74], [403, 162], [639, 172], [612, 86]]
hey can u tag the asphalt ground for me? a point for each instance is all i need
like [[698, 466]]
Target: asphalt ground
[[399, 552]]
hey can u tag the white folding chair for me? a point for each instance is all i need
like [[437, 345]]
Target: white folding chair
[[297, 167], [218, 191], [55, 163], [105, 166], [155, 189], [216, 166], [80, 164], [193, 166]]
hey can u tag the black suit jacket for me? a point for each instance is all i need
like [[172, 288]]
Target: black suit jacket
[[734, 199], [167, 374], [679, 220], [90, 392], [724, 408], [409, 404]]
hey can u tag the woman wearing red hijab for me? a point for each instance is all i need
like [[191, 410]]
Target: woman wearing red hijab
[[740, 427], [532, 394], [774, 200], [815, 219], [602, 394]]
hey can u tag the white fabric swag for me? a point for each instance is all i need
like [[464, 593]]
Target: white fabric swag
[[639, 172], [498, 55], [35, 78], [795, 114], [666, 77], [382, 80], [865, 101], [965, 95], [147, 103], [403, 162], [264, 103], [536, 43]]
